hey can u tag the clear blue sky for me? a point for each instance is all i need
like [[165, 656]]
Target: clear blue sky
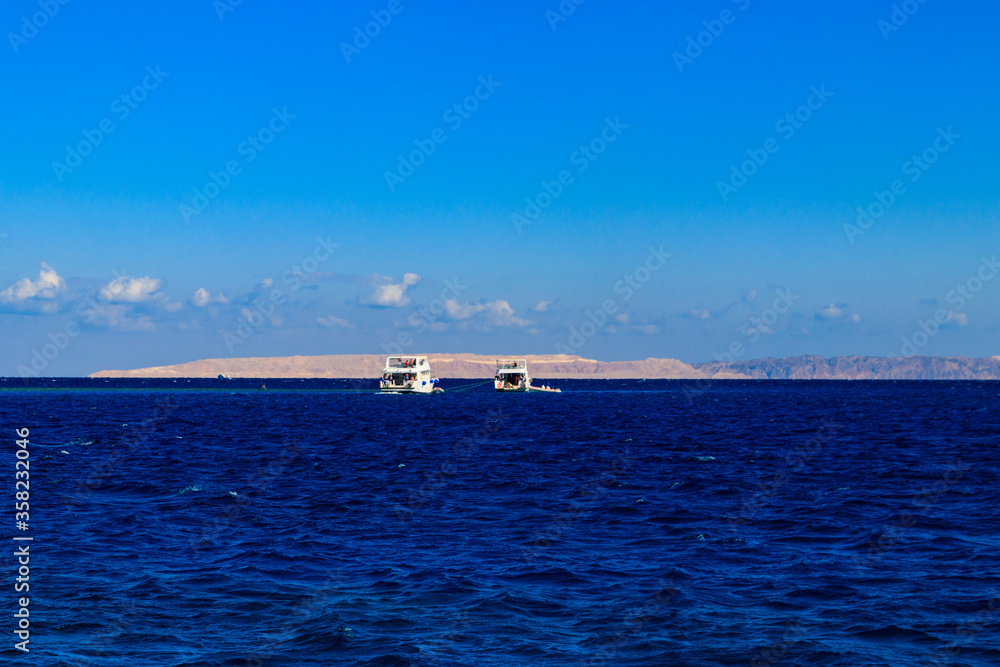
[[103, 244]]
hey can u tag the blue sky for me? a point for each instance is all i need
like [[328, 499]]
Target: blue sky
[[105, 262]]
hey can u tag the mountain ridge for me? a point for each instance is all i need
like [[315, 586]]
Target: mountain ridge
[[559, 366]]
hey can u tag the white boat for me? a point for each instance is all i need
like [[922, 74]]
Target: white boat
[[512, 375], [408, 375]]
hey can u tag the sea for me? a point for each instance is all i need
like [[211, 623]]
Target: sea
[[619, 522]]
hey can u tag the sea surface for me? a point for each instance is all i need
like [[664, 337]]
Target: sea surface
[[318, 522]]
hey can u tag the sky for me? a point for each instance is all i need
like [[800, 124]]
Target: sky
[[723, 180]]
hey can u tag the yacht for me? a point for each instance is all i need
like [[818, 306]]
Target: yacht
[[408, 375], [512, 375]]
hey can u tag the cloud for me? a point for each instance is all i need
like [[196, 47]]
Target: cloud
[[462, 311], [837, 313], [332, 322], [929, 302], [750, 296], [117, 316], [647, 329], [500, 314], [202, 297], [703, 313], [48, 287], [389, 294], [956, 320], [543, 306], [125, 289], [623, 318], [484, 316], [830, 314]]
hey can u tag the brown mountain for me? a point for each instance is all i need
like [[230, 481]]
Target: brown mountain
[[814, 367], [471, 366], [444, 365]]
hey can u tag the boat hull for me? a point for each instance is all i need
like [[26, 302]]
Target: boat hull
[[428, 388]]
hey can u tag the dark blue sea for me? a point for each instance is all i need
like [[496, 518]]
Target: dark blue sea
[[317, 522]]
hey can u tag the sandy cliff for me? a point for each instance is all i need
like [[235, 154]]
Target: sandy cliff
[[808, 367], [443, 365]]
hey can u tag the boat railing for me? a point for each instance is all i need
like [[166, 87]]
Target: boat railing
[[403, 362]]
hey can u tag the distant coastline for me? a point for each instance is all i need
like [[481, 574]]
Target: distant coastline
[[562, 366]]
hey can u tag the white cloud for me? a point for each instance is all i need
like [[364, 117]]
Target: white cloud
[[623, 318], [389, 294], [334, 323], [830, 313], [484, 316], [648, 329], [701, 314], [126, 289], [500, 314], [462, 311], [202, 297], [48, 287], [542, 306], [116, 316], [837, 313], [750, 296], [957, 319]]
